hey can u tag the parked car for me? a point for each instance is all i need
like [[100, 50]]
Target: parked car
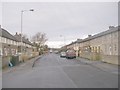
[[70, 54], [51, 51], [63, 54], [56, 52]]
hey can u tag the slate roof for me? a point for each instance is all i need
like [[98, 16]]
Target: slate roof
[[18, 37], [77, 41], [111, 30], [100, 34], [7, 35]]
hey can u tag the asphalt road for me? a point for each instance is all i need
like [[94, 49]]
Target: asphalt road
[[51, 71]]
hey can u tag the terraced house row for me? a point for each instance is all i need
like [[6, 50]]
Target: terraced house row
[[102, 46], [11, 45]]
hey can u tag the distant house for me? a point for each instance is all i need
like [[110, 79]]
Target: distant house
[[27, 46]]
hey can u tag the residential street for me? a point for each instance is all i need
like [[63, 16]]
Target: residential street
[[51, 71]]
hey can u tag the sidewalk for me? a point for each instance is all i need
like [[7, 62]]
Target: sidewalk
[[23, 66], [101, 65]]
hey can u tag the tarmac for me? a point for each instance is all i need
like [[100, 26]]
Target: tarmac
[[51, 71]]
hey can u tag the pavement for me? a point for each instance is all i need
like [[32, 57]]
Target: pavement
[[51, 71], [102, 65], [23, 66]]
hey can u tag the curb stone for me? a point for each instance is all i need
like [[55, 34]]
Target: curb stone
[[35, 61]]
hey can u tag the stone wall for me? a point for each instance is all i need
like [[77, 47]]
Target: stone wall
[[113, 59], [27, 56], [91, 55], [24, 57], [5, 61]]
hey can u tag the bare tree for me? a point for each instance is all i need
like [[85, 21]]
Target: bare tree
[[25, 36], [39, 39]]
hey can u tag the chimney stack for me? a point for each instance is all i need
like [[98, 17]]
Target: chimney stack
[[111, 27], [16, 33], [79, 39], [89, 36], [19, 34]]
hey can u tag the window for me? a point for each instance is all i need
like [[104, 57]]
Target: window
[[95, 49], [6, 40], [98, 49], [110, 49], [115, 35], [115, 47], [3, 40], [0, 39], [92, 49], [10, 41], [5, 52], [0, 52], [105, 48], [20, 43], [15, 43]]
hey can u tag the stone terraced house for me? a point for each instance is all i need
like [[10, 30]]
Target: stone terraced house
[[102, 46], [10, 45]]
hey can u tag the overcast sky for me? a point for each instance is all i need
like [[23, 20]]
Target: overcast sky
[[72, 20]]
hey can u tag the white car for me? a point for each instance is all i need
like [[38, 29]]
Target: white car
[[63, 54], [50, 51]]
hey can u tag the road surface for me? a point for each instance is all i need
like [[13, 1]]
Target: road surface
[[51, 71]]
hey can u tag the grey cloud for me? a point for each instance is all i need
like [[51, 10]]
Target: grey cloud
[[72, 20]]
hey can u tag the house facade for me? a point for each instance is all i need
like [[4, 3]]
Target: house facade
[[102, 46], [25, 45], [25, 48], [10, 45]]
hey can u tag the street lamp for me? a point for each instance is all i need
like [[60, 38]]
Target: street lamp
[[22, 24], [63, 40]]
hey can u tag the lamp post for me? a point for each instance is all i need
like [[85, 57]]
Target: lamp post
[[22, 24], [63, 40], [64, 45]]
